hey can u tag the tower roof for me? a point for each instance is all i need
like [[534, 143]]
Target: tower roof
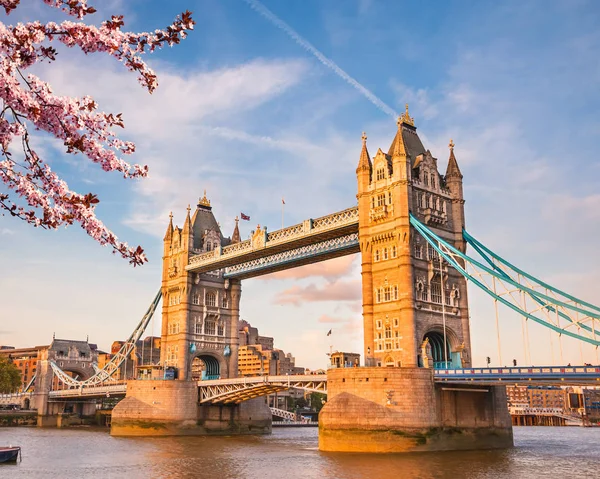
[[235, 237], [169, 233], [452, 170], [407, 138], [203, 220], [364, 163]]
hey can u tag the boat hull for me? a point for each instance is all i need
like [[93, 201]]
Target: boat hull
[[9, 454]]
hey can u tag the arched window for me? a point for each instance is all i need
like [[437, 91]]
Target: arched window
[[209, 327], [433, 181], [385, 253], [211, 299], [437, 204], [429, 202], [426, 179]]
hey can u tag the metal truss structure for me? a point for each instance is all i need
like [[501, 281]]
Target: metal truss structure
[[90, 392], [290, 416], [234, 391], [103, 375], [563, 375], [523, 293], [311, 253], [263, 244]]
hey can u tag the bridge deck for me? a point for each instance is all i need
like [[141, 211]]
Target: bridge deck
[[312, 240], [237, 390]]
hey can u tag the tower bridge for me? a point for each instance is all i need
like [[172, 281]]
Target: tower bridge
[[418, 385]]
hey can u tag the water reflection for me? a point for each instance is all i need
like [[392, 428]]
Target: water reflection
[[288, 454]]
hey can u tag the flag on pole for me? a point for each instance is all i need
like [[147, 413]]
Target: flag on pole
[[282, 201], [329, 333], [244, 217]]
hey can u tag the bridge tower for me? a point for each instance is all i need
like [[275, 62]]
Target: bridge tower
[[200, 311], [412, 303]]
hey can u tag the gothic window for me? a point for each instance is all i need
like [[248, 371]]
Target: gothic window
[[378, 335], [397, 334], [211, 299], [379, 324], [425, 179], [378, 294], [220, 329], [388, 345], [419, 200], [389, 197], [372, 202], [216, 246], [395, 292], [429, 201], [376, 255], [436, 292], [195, 298], [208, 246], [433, 181], [394, 251], [381, 199], [210, 327], [396, 325], [418, 251], [432, 254], [380, 174], [385, 253], [379, 346], [397, 345], [388, 293], [224, 301], [198, 325], [444, 206], [437, 204], [388, 332]]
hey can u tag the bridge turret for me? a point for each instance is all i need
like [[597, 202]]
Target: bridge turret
[[364, 171], [187, 234], [454, 183]]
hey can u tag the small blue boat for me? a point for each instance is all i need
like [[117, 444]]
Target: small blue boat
[[9, 454]]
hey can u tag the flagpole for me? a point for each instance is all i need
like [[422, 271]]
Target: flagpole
[[282, 208]]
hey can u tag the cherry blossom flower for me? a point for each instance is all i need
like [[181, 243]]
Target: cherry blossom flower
[[35, 193]]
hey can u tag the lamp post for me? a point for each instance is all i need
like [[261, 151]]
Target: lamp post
[[368, 358]]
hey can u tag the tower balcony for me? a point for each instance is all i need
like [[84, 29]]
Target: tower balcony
[[433, 216]]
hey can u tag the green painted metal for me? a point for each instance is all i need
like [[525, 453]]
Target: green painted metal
[[435, 241]]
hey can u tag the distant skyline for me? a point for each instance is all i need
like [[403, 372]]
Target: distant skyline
[[249, 113]]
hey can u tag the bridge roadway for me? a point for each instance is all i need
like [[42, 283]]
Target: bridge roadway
[[266, 252], [227, 391]]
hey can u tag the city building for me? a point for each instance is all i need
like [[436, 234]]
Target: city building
[[536, 396], [25, 359], [344, 360]]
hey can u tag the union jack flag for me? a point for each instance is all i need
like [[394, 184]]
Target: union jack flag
[[244, 217]]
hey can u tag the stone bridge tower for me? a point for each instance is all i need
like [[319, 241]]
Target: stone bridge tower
[[415, 308], [200, 311]]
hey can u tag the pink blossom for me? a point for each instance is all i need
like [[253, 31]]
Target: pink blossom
[[28, 101]]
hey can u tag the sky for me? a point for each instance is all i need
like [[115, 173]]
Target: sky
[[251, 112]]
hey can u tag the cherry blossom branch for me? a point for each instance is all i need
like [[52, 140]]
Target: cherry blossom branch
[[29, 101]]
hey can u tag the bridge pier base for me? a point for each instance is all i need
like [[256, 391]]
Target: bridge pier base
[[170, 408], [403, 410]]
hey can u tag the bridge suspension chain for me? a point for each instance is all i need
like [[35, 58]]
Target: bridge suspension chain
[[105, 374], [547, 305]]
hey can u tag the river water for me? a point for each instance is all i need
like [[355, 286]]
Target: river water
[[567, 452]]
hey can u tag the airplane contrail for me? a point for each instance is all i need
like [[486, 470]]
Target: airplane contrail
[[279, 23]]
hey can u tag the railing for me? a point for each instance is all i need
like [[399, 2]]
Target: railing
[[291, 233], [552, 374]]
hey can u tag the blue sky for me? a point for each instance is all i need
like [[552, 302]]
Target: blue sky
[[246, 113]]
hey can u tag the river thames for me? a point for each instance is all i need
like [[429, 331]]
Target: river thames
[[290, 453]]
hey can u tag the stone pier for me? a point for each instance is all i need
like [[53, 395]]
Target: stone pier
[[170, 408], [403, 410]]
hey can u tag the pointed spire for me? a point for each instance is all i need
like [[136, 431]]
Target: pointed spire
[[364, 163], [453, 170], [235, 237], [397, 148], [187, 225], [169, 233]]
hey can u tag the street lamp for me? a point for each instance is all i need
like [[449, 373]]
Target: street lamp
[[368, 358]]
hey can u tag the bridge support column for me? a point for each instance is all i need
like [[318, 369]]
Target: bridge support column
[[170, 408], [403, 410]]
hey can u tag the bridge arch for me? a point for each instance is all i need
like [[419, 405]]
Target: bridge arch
[[207, 365], [435, 337]]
